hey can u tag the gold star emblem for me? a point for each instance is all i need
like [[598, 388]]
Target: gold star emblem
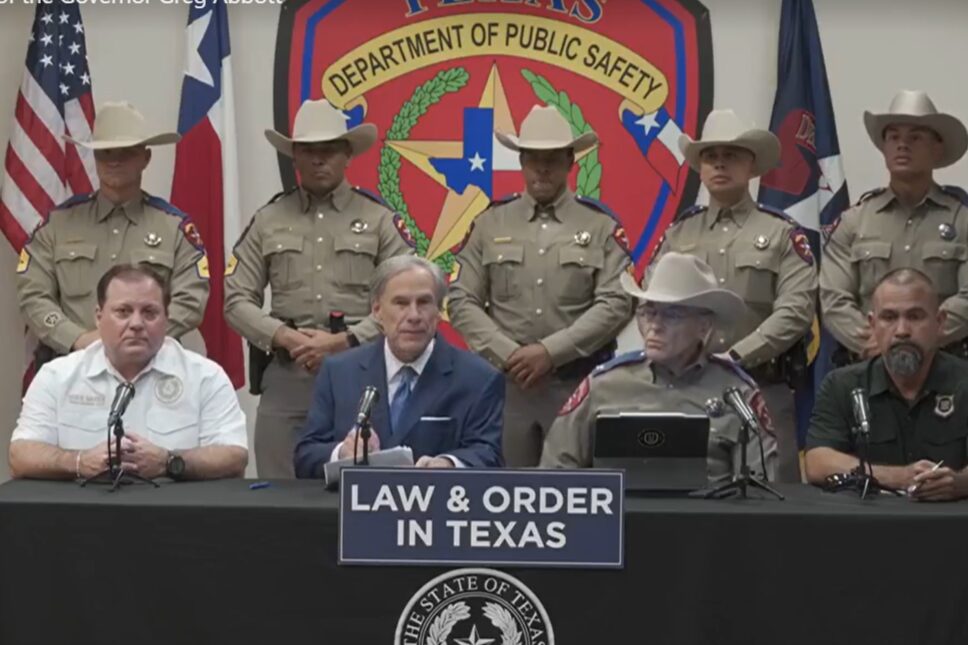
[[460, 209]]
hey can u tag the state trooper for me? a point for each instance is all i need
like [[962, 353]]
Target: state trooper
[[537, 291], [316, 246], [760, 254], [911, 223], [117, 224], [675, 372]]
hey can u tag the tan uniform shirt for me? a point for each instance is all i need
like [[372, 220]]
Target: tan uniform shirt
[[878, 235], [631, 382], [318, 257], [66, 256], [764, 258], [548, 275]]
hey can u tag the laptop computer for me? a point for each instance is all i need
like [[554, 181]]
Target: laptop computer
[[659, 451]]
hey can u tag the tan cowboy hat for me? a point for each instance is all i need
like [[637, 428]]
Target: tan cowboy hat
[[545, 129], [915, 107], [724, 128], [318, 121], [120, 125], [682, 279]]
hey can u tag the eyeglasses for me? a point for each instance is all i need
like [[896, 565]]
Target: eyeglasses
[[672, 315]]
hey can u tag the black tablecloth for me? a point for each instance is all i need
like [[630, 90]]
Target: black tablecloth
[[220, 563]]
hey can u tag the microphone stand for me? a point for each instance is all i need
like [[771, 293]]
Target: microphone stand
[[861, 478], [115, 474], [744, 480]]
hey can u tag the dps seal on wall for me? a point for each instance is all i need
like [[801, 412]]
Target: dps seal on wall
[[474, 607]]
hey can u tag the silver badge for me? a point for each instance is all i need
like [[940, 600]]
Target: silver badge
[[358, 226], [714, 407], [761, 242], [152, 239], [169, 389], [944, 405], [583, 238], [947, 231]]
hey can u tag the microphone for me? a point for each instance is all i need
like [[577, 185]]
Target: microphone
[[735, 399], [862, 411], [122, 397], [370, 396]]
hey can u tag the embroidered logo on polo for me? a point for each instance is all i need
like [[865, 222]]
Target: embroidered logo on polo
[[474, 607], [169, 389], [944, 405]]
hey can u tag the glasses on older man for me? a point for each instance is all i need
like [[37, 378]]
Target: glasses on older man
[[669, 315]]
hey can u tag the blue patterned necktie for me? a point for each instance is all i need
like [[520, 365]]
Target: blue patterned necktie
[[407, 376]]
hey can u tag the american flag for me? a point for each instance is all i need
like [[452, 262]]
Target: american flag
[[40, 169]]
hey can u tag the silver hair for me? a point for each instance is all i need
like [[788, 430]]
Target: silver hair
[[392, 267]]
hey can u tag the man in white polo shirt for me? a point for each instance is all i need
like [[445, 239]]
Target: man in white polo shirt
[[183, 422]]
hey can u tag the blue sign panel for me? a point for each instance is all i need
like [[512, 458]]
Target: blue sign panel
[[533, 518]]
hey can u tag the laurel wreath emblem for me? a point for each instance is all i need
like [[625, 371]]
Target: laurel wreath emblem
[[445, 82], [445, 621], [504, 621], [589, 167]]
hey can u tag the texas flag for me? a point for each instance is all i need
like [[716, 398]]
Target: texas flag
[[206, 182], [657, 136]]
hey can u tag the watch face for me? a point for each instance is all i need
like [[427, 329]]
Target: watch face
[[176, 466]]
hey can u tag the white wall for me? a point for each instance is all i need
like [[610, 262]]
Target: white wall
[[873, 48]]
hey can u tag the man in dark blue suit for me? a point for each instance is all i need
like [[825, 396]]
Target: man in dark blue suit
[[444, 403]]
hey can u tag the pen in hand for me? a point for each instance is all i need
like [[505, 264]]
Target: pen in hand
[[913, 488]]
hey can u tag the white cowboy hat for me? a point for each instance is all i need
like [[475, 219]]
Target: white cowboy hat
[[545, 129], [915, 107], [724, 128], [120, 125], [318, 121], [681, 279]]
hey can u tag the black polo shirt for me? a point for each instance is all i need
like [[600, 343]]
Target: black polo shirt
[[934, 426]]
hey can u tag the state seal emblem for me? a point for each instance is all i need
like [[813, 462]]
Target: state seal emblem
[[474, 607]]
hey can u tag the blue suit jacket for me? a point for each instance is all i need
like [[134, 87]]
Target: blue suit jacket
[[461, 390]]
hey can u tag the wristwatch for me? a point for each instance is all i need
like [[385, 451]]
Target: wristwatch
[[175, 466], [733, 354]]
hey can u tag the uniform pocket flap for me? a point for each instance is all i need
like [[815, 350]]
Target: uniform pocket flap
[[581, 256], [756, 260], [355, 243], [153, 256], [281, 243], [870, 251], [501, 253], [74, 251], [944, 251]]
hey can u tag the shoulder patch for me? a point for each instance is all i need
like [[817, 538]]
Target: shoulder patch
[[827, 230], [24, 261], [460, 245], [801, 244], [758, 405], [504, 200], [373, 197], [628, 358], [733, 367], [186, 226], [579, 395], [689, 212], [957, 192], [870, 193], [403, 230], [75, 200]]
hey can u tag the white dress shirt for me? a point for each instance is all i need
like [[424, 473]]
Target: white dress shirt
[[182, 400]]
